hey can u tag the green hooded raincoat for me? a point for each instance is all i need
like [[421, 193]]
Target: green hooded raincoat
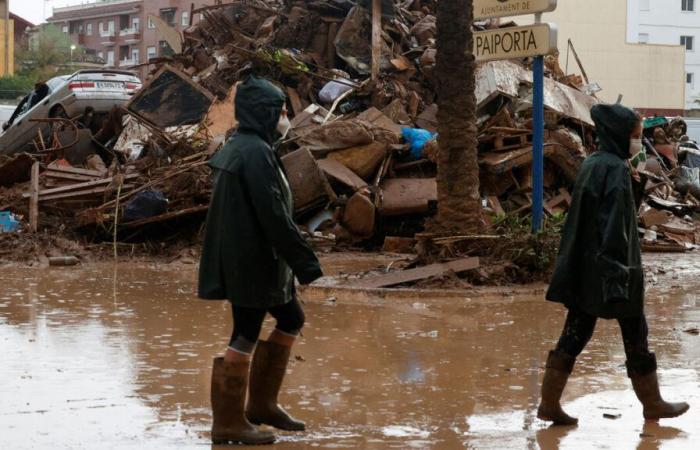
[[252, 246], [599, 269]]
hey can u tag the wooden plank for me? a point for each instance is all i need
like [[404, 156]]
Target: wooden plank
[[68, 176], [420, 273], [376, 38], [76, 170], [83, 193], [78, 186], [34, 199], [496, 205], [294, 99], [339, 172]]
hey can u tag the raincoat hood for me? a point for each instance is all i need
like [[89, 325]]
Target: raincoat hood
[[258, 106], [614, 125]]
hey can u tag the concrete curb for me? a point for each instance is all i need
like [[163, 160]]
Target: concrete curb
[[316, 293]]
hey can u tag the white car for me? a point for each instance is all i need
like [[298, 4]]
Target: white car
[[66, 96]]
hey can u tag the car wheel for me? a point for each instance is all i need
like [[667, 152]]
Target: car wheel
[[58, 112]]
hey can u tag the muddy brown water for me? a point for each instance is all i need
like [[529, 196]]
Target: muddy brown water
[[98, 358]]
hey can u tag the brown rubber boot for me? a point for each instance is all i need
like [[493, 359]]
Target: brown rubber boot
[[266, 375], [642, 372], [559, 367], [228, 388]]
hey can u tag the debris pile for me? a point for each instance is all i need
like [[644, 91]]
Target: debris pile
[[670, 174], [360, 155]]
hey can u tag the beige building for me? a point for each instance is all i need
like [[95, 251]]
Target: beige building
[[7, 40], [650, 78]]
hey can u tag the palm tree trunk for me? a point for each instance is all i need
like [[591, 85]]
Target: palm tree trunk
[[459, 202]]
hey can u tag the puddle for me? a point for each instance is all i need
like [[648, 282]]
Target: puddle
[[126, 362]]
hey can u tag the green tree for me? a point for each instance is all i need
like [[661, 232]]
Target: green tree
[[48, 50]]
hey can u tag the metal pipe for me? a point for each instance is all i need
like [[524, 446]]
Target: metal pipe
[[538, 139]]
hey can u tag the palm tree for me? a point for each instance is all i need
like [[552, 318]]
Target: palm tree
[[459, 202]]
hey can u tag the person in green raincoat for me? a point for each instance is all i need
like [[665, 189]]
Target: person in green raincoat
[[252, 250], [598, 272]]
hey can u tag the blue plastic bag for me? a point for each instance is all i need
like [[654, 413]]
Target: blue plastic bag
[[8, 222], [417, 137]]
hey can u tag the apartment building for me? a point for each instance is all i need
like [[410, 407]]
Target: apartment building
[[120, 31], [670, 22]]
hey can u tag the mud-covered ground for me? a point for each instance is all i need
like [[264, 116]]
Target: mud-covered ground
[[98, 357]]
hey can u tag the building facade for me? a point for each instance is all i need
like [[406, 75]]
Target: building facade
[[670, 22], [120, 31], [650, 78]]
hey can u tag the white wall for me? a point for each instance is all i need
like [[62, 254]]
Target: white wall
[[664, 23]]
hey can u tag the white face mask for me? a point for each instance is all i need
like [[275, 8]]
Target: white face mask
[[635, 146], [283, 126]]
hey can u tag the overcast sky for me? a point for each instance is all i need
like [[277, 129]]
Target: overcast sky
[[34, 10]]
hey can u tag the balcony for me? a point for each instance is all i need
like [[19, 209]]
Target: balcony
[[127, 62], [108, 37], [131, 35]]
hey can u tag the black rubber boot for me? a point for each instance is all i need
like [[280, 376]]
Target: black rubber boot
[[642, 372], [228, 389], [266, 375], [559, 367]]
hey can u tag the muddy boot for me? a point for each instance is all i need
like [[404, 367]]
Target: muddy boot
[[228, 388], [266, 375], [642, 372], [559, 367]]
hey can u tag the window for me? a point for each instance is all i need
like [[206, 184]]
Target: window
[[65, 29], [168, 16], [110, 58], [151, 23], [135, 56], [688, 42], [135, 24], [88, 28], [644, 5], [643, 38], [101, 55], [110, 26], [151, 53], [690, 79], [688, 5], [185, 18], [101, 27]]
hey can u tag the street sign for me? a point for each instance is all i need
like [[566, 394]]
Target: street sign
[[515, 42], [485, 9]]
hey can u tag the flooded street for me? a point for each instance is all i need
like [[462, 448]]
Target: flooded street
[[98, 358]]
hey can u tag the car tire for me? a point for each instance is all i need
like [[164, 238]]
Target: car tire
[[58, 111]]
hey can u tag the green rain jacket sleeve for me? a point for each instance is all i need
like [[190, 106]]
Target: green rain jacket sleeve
[[260, 177], [613, 223]]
